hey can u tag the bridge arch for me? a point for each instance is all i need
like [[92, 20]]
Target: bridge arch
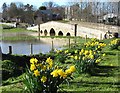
[[52, 32], [68, 34], [45, 32], [60, 33], [41, 31]]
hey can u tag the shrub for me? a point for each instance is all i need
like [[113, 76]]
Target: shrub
[[7, 27], [9, 69]]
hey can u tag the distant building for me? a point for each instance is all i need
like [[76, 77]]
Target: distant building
[[47, 15], [68, 15]]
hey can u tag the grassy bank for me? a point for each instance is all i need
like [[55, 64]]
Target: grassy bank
[[104, 79], [19, 38]]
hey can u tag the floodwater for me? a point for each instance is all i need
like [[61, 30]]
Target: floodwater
[[24, 47]]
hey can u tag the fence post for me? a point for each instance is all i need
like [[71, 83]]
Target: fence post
[[31, 48], [39, 31], [52, 45], [75, 30], [85, 38], [0, 50], [0, 53], [69, 42], [101, 36], [10, 50]]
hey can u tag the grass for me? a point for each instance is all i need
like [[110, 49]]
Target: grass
[[19, 38], [13, 30], [104, 79]]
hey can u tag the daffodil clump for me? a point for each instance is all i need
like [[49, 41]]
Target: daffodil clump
[[86, 59], [47, 75], [94, 44], [89, 56], [114, 44]]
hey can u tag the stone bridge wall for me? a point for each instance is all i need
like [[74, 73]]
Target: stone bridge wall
[[68, 28]]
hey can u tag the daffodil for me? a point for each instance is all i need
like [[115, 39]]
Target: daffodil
[[68, 71], [32, 67], [36, 73], [66, 51], [72, 68], [83, 58], [76, 57], [62, 73], [76, 51], [44, 68], [43, 79], [98, 60], [92, 56], [50, 62], [86, 52], [104, 54], [33, 60], [54, 73], [82, 50]]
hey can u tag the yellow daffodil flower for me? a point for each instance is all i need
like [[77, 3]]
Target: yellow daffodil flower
[[104, 54], [72, 68], [43, 79], [36, 73], [66, 51], [33, 60], [32, 67], [54, 73]]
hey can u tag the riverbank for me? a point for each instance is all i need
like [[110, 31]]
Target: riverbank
[[105, 76]]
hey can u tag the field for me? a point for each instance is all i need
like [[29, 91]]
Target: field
[[104, 77]]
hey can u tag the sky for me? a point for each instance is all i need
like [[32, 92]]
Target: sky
[[36, 3]]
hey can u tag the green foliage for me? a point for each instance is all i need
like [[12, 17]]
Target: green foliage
[[7, 27], [104, 76], [9, 69], [31, 83]]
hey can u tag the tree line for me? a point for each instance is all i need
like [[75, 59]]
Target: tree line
[[81, 11], [27, 12], [91, 11]]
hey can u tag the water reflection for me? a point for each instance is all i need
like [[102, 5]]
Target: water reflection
[[23, 47]]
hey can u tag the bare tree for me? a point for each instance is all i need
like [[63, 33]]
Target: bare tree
[[4, 8]]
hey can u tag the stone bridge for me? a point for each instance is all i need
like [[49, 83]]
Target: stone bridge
[[64, 29]]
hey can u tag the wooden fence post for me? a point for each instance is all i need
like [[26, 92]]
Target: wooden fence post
[[85, 38], [10, 50], [39, 31], [69, 42], [75, 30], [31, 48], [52, 45], [101, 36], [0, 53], [0, 50]]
